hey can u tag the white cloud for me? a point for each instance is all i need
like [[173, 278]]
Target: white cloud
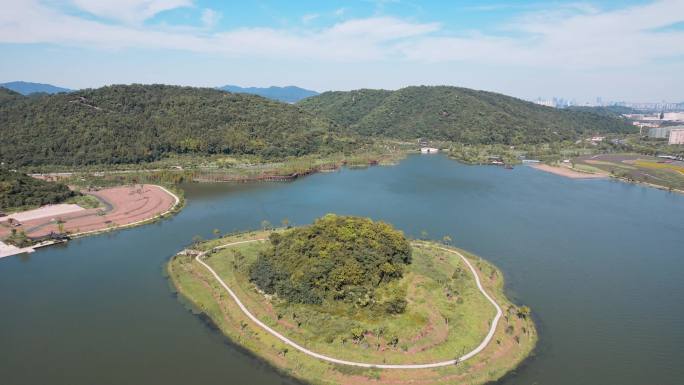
[[363, 39], [574, 37], [128, 11], [210, 18], [581, 37], [310, 17]]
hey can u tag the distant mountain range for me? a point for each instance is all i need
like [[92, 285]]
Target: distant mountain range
[[27, 88], [289, 94]]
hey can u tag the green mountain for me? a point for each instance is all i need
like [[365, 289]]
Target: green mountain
[[457, 114], [137, 123], [289, 94], [614, 111], [27, 88], [7, 95]]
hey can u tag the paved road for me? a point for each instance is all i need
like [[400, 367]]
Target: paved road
[[306, 351]]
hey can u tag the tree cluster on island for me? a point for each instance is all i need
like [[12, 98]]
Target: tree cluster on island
[[337, 259]]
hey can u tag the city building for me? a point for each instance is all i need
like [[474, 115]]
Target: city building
[[659, 132], [676, 135], [547, 103], [674, 116]]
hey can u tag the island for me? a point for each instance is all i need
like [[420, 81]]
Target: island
[[348, 300]]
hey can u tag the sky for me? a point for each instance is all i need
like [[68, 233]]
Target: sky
[[629, 50]]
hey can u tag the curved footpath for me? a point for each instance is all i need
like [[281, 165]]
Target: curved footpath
[[308, 352]]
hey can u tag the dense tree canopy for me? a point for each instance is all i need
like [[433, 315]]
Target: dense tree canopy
[[142, 123], [456, 114], [337, 258], [20, 190], [137, 123]]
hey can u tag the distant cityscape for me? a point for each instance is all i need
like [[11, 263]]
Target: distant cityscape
[[559, 102], [658, 120]]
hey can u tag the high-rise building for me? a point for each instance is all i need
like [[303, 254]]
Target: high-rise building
[[659, 132], [676, 135]]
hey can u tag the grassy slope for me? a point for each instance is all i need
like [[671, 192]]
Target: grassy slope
[[467, 324], [457, 114]]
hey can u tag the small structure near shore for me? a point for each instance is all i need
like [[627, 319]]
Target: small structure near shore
[[429, 150]]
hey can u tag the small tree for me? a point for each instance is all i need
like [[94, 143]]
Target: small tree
[[265, 225], [196, 240], [357, 333], [446, 240], [524, 312]]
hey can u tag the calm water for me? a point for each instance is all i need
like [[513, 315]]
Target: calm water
[[599, 262]]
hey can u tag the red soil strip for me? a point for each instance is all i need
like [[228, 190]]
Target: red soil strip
[[130, 204]]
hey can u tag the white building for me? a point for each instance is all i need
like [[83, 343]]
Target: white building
[[659, 132], [674, 116], [547, 103], [676, 135], [428, 150]]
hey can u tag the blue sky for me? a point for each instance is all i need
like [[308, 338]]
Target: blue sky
[[618, 50]]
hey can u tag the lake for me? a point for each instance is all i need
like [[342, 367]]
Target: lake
[[600, 263]]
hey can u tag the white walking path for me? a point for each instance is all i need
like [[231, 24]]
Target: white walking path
[[306, 351]]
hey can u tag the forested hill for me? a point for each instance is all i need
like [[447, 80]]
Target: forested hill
[[8, 95], [136, 123], [458, 114], [19, 190]]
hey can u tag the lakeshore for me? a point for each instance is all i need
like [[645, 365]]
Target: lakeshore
[[517, 219], [567, 172], [120, 207]]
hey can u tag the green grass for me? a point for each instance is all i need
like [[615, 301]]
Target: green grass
[[86, 201], [643, 169], [324, 329], [327, 329]]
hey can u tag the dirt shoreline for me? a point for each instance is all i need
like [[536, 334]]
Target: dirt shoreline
[[125, 206], [567, 172]]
